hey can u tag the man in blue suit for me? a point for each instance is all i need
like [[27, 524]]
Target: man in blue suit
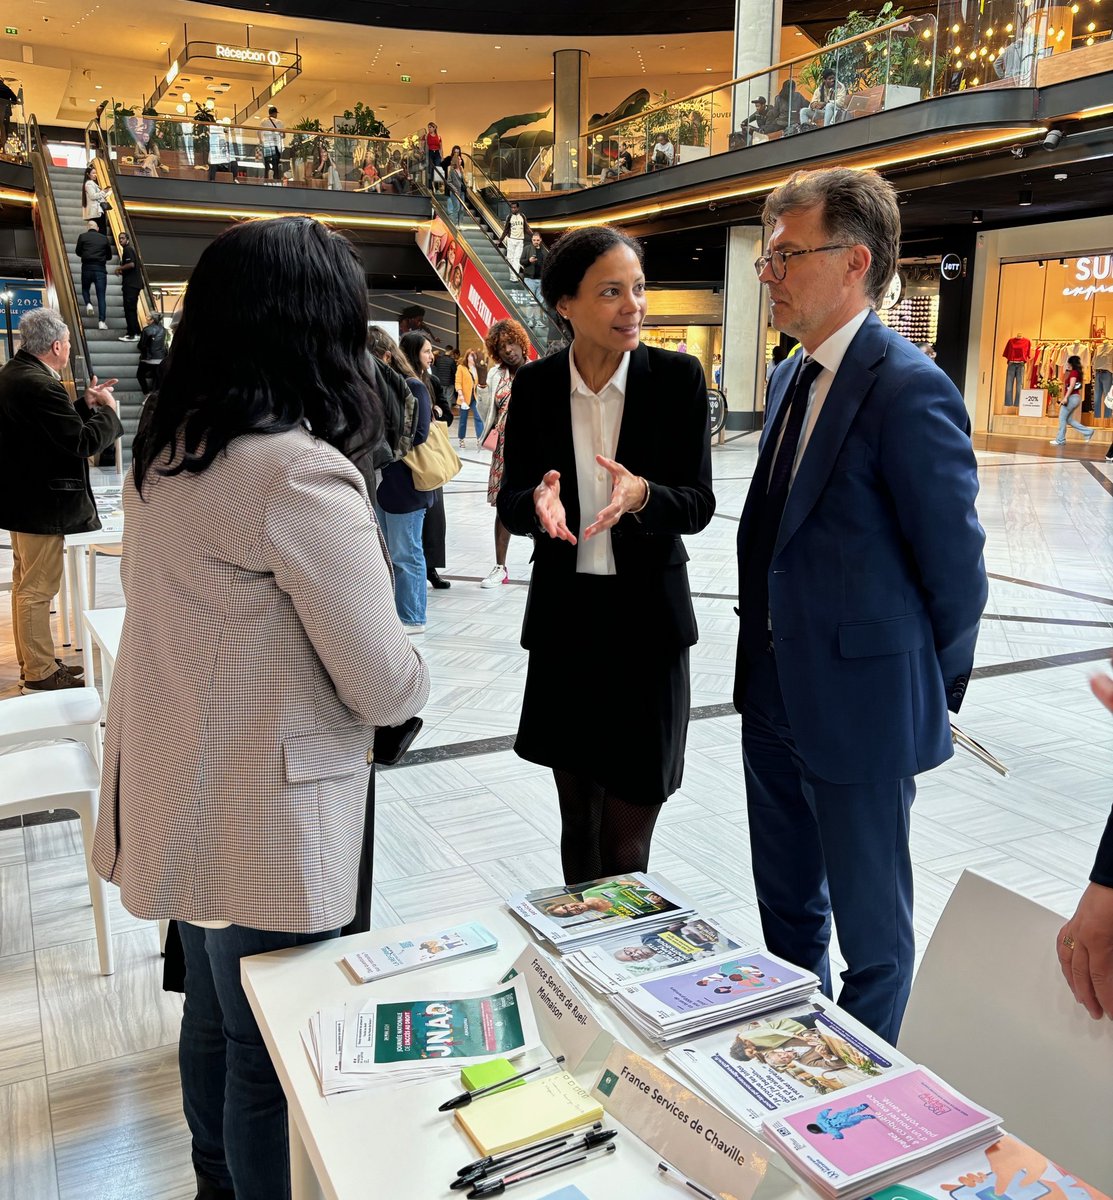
[[861, 588]]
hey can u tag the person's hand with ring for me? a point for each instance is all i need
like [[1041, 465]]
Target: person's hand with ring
[[629, 493], [550, 511]]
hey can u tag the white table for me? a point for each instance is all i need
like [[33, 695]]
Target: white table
[[104, 627], [78, 548], [394, 1142]]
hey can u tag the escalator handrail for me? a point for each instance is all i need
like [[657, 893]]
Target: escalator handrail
[[64, 288], [510, 305], [102, 155]]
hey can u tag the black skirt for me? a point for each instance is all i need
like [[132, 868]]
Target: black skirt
[[603, 701]]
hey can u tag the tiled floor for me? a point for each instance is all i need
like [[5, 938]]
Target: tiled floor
[[89, 1102]]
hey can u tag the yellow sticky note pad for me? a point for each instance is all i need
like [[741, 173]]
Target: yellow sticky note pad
[[540, 1109]]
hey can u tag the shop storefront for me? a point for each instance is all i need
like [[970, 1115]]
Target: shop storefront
[[1048, 299], [689, 320]]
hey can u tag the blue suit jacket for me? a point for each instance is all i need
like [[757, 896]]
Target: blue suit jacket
[[877, 582]]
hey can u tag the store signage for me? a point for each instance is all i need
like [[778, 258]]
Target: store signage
[[172, 74], [1093, 276], [1031, 402], [247, 55], [23, 296], [950, 267], [716, 410]]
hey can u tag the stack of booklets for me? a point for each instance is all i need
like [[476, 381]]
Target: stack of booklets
[[755, 1069], [722, 992], [393, 1042], [570, 916], [626, 957], [859, 1140]]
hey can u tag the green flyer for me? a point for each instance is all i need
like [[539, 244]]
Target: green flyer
[[420, 1030]]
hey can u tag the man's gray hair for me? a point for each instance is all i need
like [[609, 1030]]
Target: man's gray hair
[[859, 208], [40, 329]]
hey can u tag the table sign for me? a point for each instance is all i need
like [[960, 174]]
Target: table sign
[[1031, 402], [564, 1018], [687, 1132]]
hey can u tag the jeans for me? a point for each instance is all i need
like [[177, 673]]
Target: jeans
[[1103, 391], [534, 286], [233, 1101], [1066, 417], [403, 539], [473, 407], [131, 311], [454, 203], [832, 113], [95, 275], [1014, 382]]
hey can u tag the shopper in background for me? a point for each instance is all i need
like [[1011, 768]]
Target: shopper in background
[[273, 141], [861, 588], [434, 531], [508, 345], [254, 565], [93, 197], [758, 120], [775, 359], [608, 564], [787, 105], [433, 147], [456, 191], [1070, 402], [46, 442], [324, 167], [8, 99], [221, 156], [662, 153], [467, 383], [511, 241], [828, 101], [532, 264], [152, 353], [94, 250], [444, 371], [131, 284], [1084, 946]]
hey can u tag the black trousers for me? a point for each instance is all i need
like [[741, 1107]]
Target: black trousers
[[433, 532], [148, 376], [272, 164], [131, 310]]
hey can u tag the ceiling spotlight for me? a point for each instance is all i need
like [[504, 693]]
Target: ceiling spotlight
[[1052, 140], [976, 217], [1025, 199]]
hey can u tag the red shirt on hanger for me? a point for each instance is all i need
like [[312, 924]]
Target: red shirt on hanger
[[1017, 349]]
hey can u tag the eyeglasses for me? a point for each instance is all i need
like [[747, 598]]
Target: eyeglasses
[[777, 262]]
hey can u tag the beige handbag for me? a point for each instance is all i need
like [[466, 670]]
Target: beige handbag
[[434, 462]]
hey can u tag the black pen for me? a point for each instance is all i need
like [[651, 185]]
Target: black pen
[[467, 1097], [496, 1187], [482, 1164], [588, 1141], [665, 1169]]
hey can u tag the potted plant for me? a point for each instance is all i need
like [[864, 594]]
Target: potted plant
[[302, 147]]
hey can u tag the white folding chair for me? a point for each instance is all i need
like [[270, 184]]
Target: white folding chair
[[991, 1014], [71, 713], [61, 775]]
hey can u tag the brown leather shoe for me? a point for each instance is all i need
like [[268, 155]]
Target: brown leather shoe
[[52, 683]]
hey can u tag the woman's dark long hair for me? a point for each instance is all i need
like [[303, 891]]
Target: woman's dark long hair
[[411, 345], [273, 334]]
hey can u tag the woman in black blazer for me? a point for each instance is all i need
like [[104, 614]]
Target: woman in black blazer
[[607, 464]]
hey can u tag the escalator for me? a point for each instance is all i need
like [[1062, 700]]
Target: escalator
[[477, 232]]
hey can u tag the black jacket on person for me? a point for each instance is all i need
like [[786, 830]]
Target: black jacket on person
[[7, 97], [93, 248], [131, 277], [45, 444], [152, 342], [532, 270]]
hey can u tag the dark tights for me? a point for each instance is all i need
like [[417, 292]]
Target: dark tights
[[600, 833]]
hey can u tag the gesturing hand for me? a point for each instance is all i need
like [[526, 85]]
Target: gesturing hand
[[1085, 951], [101, 393], [550, 511], [628, 492]]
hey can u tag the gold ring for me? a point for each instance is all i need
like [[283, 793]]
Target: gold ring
[[1068, 941]]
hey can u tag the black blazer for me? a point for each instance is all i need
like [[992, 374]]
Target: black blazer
[[665, 438], [45, 445]]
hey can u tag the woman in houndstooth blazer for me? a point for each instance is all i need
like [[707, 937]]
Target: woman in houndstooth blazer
[[259, 651]]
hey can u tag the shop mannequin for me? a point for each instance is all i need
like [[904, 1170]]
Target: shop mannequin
[[1103, 377], [1017, 351]]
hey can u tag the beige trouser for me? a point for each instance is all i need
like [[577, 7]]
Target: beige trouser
[[36, 578]]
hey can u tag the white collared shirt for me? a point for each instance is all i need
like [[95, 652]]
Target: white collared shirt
[[829, 355], [596, 420]]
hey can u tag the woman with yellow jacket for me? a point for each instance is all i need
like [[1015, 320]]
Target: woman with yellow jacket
[[467, 381]]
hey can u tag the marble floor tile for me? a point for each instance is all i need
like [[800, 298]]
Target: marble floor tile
[[11, 847], [407, 845], [88, 1017], [439, 894], [61, 910], [21, 1050], [478, 826], [27, 1169], [119, 1131], [15, 910]]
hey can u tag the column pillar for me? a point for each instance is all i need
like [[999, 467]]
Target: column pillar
[[757, 44], [744, 324], [569, 115]]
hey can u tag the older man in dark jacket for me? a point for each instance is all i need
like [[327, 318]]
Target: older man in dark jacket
[[45, 443]]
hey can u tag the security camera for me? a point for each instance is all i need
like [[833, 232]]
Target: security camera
[[1054, 137]]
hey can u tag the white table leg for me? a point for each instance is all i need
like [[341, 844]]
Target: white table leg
[[73, 564], [106, 677], [303, 1179], [64, 609]]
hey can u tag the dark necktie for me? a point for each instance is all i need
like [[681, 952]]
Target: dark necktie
[[753, 600]]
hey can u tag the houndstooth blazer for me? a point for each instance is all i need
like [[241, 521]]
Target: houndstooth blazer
[[259, 649]]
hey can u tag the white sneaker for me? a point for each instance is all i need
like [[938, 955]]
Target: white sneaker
[[461, 444], [413, 630], [88, 310], [496, 575], [1056, 442], [102, 325]]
